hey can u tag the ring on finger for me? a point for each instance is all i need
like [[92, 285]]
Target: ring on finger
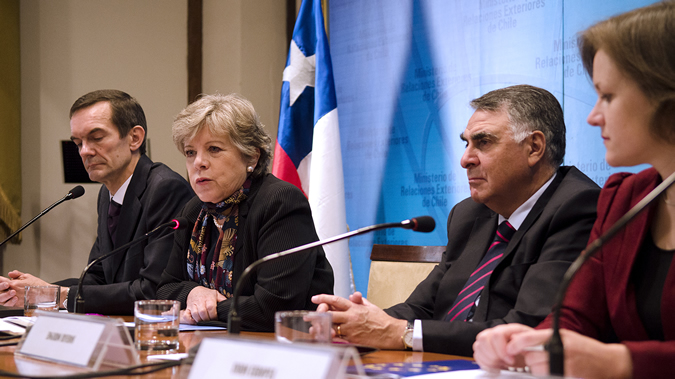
[[339, 332]]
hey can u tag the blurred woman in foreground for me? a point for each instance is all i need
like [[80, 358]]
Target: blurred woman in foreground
[[241, 213], [617, 315]]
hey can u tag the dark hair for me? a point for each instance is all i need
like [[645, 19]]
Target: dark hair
[[125, 110], [642, 45], [529, 108], [231, 116]]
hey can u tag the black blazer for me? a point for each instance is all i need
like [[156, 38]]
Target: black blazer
[[274, 217], [155, 195], [522, 287]]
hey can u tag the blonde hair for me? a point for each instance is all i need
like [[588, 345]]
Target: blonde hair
[[230, 116], [642, 45]]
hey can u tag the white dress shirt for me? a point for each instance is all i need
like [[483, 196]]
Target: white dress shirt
[[516, 220]]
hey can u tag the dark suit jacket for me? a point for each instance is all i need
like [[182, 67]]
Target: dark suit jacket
[[600, 301], [522, 287], [155, 195], [274, 217]]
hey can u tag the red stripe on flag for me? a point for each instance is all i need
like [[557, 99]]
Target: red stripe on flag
[[284, 169]]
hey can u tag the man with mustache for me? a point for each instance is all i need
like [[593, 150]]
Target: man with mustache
[[509, 244], [137, 195]]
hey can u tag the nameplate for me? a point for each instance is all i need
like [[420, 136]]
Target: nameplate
[[85, 341], [256, 359]]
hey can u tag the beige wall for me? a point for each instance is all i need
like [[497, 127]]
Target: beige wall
[[70, 47], [245, 52]]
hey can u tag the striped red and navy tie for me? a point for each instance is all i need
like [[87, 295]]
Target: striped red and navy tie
[[114, 210], [466, 298]]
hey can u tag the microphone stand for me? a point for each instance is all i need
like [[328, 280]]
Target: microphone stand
[[555, 346], [73, 194], [234, 320], [177, 223]]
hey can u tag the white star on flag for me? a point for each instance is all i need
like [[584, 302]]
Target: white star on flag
[[299, 73]]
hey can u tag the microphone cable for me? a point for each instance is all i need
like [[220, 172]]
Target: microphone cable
[[142, 369]]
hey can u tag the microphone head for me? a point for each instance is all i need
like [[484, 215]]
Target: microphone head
[[424, 224], [75, 192], [181, 223]]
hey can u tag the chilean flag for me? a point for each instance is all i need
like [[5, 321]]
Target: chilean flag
[[307, 152]]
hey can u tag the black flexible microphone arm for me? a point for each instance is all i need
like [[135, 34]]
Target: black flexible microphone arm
[[177, 223], [73, 194], [555, 346], [423, 224]]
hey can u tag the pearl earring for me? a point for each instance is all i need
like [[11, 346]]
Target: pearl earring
[[249, 169]]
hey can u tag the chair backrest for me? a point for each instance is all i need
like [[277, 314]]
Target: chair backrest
[[395, 271]]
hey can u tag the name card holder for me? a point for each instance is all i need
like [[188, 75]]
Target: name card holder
[[78, 340], [242, 358]]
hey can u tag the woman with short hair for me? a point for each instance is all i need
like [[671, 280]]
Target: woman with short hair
[[241, 213]]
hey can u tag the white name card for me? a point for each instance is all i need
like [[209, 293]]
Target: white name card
[[240, 358], [85, 341]]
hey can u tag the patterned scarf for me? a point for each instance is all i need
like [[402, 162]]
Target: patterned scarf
[[225, 215]]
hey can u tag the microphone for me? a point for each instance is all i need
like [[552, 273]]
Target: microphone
[[177, 223], [555, 346], [424, 224], [73, 194]]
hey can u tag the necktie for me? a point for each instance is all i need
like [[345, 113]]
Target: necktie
[[474, 285], [114, 210]]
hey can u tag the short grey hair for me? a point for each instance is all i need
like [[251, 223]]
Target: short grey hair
[[529, 109], [230, 116]]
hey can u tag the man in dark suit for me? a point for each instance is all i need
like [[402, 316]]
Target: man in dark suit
[[137, 195], [515, 143]]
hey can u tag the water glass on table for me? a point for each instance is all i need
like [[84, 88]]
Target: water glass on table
[[40, 298], [303, 326], [156, 325]]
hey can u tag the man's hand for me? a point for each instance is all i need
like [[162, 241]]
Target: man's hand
[[201, 305], [12, 288], [361, 322], [8, 296]]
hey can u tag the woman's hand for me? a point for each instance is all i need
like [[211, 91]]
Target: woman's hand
[[186, 317], [202, 304], [490, 348], [585, 357]]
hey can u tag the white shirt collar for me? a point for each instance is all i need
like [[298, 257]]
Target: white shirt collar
[[119, 195], [524, 209]]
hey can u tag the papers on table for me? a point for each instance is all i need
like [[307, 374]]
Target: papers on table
[[185, 327], [14, 325], [449, 369], [477, 374], [167, 357]]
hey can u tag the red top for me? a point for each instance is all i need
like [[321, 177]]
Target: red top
[[600, 301]]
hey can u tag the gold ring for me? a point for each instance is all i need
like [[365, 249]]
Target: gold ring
[[339, 332]]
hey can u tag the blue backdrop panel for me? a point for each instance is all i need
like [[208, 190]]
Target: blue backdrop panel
[[405, 72]]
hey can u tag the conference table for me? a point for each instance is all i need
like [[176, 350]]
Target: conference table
[[26, 366]]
